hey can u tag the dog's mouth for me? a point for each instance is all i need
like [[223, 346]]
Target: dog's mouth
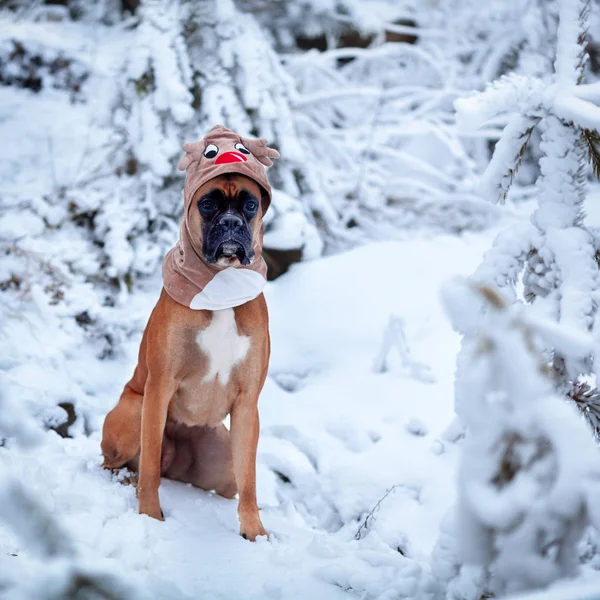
[[231, 251]]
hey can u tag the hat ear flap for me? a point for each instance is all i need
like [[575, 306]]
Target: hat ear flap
[[265, 200], [260, 150], [193, 153]]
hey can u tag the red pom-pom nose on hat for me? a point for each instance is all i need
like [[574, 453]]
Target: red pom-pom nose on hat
[[230, 157]]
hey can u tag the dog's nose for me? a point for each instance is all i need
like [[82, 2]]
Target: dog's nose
[[231, 222]]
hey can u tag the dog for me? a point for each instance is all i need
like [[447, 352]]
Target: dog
[[205, 351]]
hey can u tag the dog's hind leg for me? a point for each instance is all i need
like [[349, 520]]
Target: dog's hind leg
[[214, 449], [122, 429], [201, 456]]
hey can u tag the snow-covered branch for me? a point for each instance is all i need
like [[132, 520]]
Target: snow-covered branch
[[529, 467]]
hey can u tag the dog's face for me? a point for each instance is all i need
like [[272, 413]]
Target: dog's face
[[224, 219]]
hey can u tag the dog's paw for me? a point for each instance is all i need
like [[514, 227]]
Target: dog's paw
[[123, 476], [151, 509], [159, 516], [111, 464], [251, 533]]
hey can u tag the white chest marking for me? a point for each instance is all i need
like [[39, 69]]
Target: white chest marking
[[223, 346]]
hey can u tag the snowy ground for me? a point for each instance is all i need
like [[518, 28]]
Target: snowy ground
[[334, 437]]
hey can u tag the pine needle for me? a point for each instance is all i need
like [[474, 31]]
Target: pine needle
[[587, 400], [512, 173], [591, 138]]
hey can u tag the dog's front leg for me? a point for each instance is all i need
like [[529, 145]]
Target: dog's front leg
[[244, 439], [157, 395]]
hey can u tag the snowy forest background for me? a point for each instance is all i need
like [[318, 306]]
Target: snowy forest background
[[415, 443]]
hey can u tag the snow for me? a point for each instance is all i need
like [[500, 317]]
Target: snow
[[566, 591], [571, 108], [569, 57], [364, 479], [331, 444]]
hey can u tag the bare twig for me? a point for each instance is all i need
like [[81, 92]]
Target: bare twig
[[366, 523]]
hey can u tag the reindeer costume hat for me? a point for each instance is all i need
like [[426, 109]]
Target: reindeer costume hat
[[187, 277]]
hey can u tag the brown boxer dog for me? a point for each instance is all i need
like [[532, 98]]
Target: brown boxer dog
[[197, 365]]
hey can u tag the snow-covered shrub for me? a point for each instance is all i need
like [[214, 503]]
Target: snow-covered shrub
[[555, 256], [377, 124], [529, 477], [34, 67]]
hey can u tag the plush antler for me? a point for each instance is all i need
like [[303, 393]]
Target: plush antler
[[193, 153], [260, 150]]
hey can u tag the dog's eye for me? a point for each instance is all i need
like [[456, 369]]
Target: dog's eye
[[251, 206], [207, 206], [211, 151], [241, 148]]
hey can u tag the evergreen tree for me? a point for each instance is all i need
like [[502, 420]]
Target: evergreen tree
[[555, 255]]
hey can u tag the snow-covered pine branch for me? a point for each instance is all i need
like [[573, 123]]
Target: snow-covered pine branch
[[510, 94], [559, 268], [507, 157], [528, 479]]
